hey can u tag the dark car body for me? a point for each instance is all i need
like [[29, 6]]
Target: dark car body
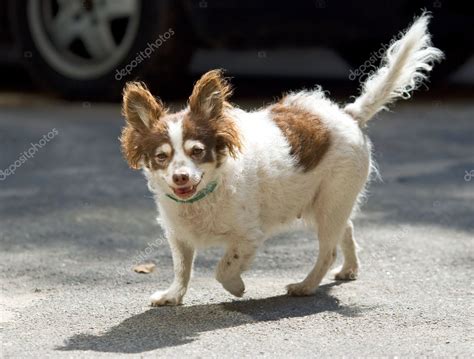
[[352, 28]]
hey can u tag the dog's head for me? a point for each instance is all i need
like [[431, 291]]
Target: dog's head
[[180, 152]]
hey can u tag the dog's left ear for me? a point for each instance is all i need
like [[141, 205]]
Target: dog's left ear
[[209, 95]]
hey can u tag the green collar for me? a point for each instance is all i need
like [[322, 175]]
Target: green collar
[[200, 195]]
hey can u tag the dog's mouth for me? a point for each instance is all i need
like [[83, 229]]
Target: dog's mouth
[[185, 192]]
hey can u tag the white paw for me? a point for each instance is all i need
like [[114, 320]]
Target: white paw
[[168, 297], [347, 274], [234, 286], [299, 289]]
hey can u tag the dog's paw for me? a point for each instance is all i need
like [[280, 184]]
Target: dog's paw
[[234, 286], [346, 274], [299, 289], [161, 298]]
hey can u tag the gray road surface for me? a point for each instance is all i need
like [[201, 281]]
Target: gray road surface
[[74, 219]]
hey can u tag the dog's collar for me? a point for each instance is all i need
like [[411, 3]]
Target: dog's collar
[[200, 195]]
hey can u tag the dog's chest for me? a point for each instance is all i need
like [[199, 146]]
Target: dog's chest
[[204, 225]]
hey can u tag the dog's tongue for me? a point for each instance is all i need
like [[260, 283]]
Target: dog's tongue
[[183, 190]]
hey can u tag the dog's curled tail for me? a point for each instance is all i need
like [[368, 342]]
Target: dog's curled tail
[[403, 69]]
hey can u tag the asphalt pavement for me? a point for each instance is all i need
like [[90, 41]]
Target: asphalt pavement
[[74, 220]]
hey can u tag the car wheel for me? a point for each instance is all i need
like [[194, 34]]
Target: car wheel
[[87, 49]]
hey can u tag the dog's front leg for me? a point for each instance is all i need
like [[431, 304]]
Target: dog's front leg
[[238, 257], [183, 255]]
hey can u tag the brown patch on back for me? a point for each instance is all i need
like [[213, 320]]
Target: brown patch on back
[[308, 137]]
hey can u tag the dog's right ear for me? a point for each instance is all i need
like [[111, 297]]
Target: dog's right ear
[[140, 108], [142, 112]]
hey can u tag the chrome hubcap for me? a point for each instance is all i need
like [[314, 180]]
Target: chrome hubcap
[[83, 38]]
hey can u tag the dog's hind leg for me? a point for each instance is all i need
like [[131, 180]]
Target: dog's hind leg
[[238, 257], [332, 210], [350, 268]]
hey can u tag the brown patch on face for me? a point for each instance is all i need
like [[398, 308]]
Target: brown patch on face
[[307, 135], [207, 120], [219, 136], [194, 130], [144, 131], [141, 147]]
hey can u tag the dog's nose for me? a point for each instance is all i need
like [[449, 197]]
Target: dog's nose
[[180, 178]]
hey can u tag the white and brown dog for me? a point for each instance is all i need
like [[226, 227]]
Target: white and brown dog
[[224, 176]]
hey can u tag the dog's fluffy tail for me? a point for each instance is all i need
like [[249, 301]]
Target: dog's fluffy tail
[[403, 69]]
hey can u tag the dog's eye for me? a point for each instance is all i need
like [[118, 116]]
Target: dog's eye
[[197, 151], [161, 156]]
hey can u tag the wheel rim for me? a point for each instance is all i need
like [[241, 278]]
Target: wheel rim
[[83, 39]]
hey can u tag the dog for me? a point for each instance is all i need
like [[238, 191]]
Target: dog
[[223, 176]]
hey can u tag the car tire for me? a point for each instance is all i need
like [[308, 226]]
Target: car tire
[[83, 64]]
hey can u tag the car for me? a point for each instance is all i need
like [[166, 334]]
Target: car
[[87, 49]]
